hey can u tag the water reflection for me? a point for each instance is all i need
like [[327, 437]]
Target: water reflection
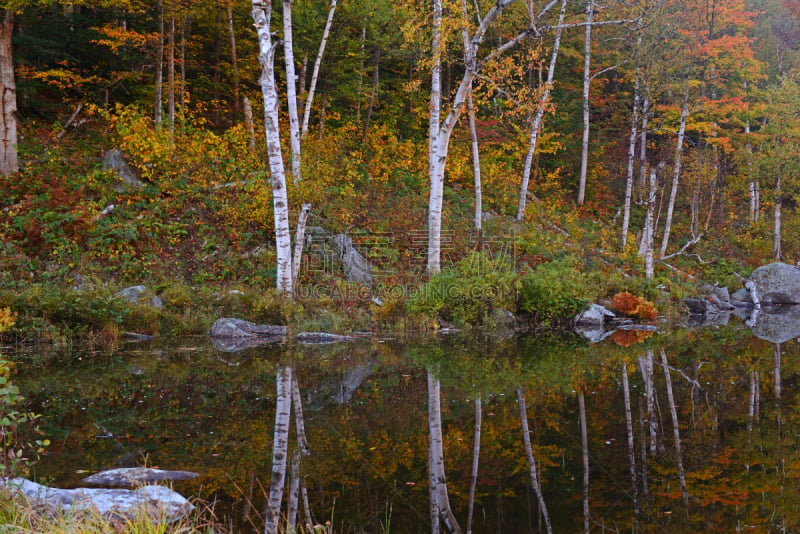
[[685, 431]]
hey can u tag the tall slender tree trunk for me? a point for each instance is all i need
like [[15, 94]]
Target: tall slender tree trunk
[[587, 79], [171, 72], [647, 372], [526, 440], [234, 59], [159, 97], [626, 208], [373, 94], [649, 225], [280, 449], [283, 240], [539, 115], [476, 453], [776, 240], [360, 69], [476, 165], [438, 478], [294, 492], [9, 163], [186, 23], [675, 431], [249, 124], [291, 89], [585, 456], [317, 62], [676, 173], [637, 512], [643, 141]]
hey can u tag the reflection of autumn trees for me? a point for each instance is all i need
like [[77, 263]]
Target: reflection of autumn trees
[[369, 461]]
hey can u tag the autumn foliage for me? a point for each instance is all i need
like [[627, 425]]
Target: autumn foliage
[[633, 306]]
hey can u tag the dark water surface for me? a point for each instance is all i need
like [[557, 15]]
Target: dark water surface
[[726, 459]]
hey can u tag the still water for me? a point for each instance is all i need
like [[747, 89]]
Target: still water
[[680, 432]]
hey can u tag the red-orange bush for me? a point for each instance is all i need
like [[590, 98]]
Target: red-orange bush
[[633, 306]]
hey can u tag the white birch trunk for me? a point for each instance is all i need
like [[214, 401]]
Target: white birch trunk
[[9, 164], [675, 430], [299, 420], [649, 226], [317, 63], [587, 79], [476, 165], [299, 241], [643, 140], [439, 134], [171, 73], [526, 440], [280, 449], [261, 16], [646, 369], [676, 174], [438, 477], [294, 492], [643, 450], [626, 208], [234, 59], [159, 98], [291, 90], [776, 240], [631, 447], [537, 119]]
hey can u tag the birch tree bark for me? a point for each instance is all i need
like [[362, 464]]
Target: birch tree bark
[[234, 59], [526, 440], [626, 208], [261, 16], [291, 89], [469, 55], [317, 62], [439, 132], [280, 449], [676, 173], [539, 115], [9, 163], [643, 139], [171, 73], [587, 78], [373, 94], [159, 98]]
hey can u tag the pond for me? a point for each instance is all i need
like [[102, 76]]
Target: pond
[[686, 430]]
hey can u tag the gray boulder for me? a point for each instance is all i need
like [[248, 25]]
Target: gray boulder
[[227, 327], [130, 477], [776, 282], [777, 325], [114, 160], [158, 502], [718, 296], [594, 315], [140, 295]]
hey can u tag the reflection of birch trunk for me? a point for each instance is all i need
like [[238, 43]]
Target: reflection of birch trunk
[[585, 455], [298, 418], [280, 447], [646, 369], [526, 440], [294, 491], [306, 508], [436, 452], [778, 388], [643, 451], [631, 450], [676, 431], [476, 451], [752, 411]]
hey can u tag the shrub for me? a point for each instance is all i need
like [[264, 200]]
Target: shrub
[[468, 293], [555, 292], [633, 306]]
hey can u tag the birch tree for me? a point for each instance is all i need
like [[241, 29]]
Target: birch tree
[[317, 62], [587, 79], [8, 98], [280, 449], [440, 131], [291, 89], [438, 480], [261, 12], [676, 171]]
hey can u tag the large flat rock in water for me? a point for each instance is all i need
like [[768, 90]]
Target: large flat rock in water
[[129, 477], [158, 502], [229, 327]]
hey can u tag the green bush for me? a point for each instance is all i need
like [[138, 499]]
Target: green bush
[[468, 293], [555, 292]]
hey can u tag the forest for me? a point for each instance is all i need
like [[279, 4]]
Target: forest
[[561, 151]]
